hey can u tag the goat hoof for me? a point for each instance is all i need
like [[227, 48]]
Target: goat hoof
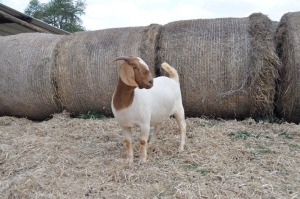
[[142, 161], [129, 161], [181, 149], [152, 142]]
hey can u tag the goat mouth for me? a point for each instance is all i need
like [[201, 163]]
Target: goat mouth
[[149, 85], [146, 86]]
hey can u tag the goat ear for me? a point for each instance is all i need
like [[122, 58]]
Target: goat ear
[[127, 74]]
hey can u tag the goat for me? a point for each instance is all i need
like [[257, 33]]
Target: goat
[[141, 101]]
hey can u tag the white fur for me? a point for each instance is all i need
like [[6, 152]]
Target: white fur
[[142, 62], [153, 105]]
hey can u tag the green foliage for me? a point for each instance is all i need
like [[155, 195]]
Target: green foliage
[[295, 147], [63, 14], [190, 166], [209, 123], [196, 168], [263, 149], [269, 119], [285, 135], [242, 135], [91, 115], [34, 9]]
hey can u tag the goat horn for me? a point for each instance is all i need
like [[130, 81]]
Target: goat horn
[[127, 58], [121, 58]]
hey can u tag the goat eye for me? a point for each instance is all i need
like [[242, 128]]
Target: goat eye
[[146, 73]]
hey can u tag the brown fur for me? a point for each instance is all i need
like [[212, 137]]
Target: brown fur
[[132, 74], [127, 144], [143, 142], [123, 96], [127, 74]]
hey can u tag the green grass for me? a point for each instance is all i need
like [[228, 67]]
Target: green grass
[[242, 135], [294, 147], [285, 135], [262, 149], [209, 123], [196, 168], [190, 166], [269, 119], [258, 150], [91, 115]]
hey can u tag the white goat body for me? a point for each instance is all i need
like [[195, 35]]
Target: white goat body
[[151, 107]]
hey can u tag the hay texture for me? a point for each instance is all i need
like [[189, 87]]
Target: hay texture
[[288, 48], [227, 66], [26, 76], [75, 158], [85, 77]]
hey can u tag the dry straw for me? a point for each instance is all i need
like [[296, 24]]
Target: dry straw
[[227, 66], [26, 79], [288, 47], [85, 76], [75, 158]]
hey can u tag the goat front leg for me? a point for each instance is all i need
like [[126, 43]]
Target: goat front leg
[[128, 143], [144, 142], [179, 115]]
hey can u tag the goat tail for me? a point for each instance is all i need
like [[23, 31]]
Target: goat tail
[[171, 71]]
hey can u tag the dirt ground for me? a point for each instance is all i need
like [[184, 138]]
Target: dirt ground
[[84, 158]]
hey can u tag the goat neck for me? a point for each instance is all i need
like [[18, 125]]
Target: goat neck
[[123, 95]]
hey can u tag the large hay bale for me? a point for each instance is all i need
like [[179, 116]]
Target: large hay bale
[[85, 78], [288, 48], [26, 76], [227, 66]]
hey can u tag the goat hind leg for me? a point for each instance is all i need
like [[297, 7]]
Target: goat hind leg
[[155, 133], [179, 115]]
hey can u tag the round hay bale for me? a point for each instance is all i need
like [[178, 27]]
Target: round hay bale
[[288, 48], [26, 76], [86, 77], [274, 27], [227, 66]]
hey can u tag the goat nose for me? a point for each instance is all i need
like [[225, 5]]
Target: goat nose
[[151, 81]]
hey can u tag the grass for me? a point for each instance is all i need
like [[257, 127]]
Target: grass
[[285, 135], [195, 168], [262, 149], [295, 147], [242, 135], [190, 166], [91, 115], [269, 119], [259, 147]]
